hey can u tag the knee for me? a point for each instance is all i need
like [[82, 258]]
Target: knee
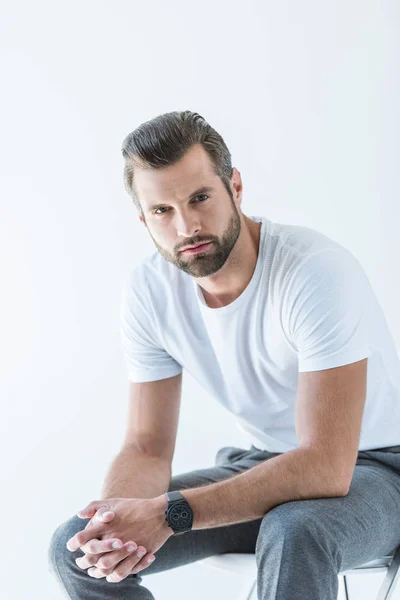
[[58, 554], [297, 528], [277, 526]]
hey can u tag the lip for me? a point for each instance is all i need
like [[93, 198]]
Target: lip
[[200, 248]]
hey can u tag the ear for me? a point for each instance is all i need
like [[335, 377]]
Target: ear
[[236, 183]]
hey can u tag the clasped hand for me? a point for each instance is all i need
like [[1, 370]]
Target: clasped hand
[[114, 520]]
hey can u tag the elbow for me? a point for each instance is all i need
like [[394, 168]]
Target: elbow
[[327, 479], [335, 491], [333, 481], [341, 487], [340, 492], [344, 490], [332, 491], [344, 478]]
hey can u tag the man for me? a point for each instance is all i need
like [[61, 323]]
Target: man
[[281, 325]]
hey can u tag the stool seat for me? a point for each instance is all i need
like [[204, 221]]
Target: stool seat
[[246, 566], [236, 562]]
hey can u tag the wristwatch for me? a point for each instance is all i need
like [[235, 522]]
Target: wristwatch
[[179, 514]]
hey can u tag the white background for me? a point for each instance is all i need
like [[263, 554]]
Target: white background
[[306, 96]]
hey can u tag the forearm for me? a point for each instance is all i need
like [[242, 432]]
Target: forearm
[[134, 474], [294, 475]]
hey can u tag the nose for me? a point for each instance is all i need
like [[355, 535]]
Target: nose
[[187, 228]]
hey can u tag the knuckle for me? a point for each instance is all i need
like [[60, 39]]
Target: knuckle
[[118, 572], [86, 562], [102, 563], [102, 574], [91, 559]]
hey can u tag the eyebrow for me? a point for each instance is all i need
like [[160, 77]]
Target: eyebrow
[[201, 190]]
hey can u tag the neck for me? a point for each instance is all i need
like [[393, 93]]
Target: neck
[[231, 280]]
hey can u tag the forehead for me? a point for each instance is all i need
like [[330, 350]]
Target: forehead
[[175, 182]]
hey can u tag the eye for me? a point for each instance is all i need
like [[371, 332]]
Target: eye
[[166, 208]]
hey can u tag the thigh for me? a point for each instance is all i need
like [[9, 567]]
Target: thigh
[[362, 526]]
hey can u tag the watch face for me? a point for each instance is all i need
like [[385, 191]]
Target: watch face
[[179, 516]]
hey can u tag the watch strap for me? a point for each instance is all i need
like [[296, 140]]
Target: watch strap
[[174, 496]]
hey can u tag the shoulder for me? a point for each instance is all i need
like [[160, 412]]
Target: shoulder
[[298, 242], [300, 256]]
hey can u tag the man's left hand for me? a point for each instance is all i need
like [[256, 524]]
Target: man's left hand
[[137, 519]]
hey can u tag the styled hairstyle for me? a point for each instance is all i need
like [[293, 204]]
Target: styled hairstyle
[[164, 140]]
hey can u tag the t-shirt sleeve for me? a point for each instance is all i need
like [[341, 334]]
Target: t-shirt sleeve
[[144, 357], [327, 310]]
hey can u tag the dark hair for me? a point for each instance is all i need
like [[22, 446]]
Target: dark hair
[[165, 139]]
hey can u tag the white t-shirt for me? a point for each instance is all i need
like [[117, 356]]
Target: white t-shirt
[[308, 306]]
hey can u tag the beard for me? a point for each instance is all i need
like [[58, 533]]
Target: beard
[[214, 257]]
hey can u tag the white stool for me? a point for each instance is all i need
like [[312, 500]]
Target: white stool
[[245, 565]]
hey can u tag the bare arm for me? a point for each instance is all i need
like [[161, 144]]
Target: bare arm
[[134, 474], [142, 468]]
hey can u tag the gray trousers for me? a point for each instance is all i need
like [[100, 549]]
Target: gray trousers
[[300, 546]]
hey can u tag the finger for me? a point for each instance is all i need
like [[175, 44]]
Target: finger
[[90, 523], [87, 560], [104, 515], [86, 513], [98, 573], [130, 565], [92, 560], [82, 537], [145, 562], [105, 567], [91, 508], [97, 546], [110, 560]]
